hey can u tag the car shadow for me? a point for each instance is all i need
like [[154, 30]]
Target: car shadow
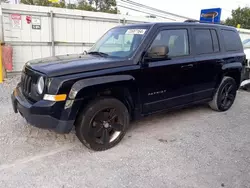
[[166, 116]]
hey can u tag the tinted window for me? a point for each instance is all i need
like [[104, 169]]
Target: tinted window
[[176, 40], [231, 40], [216, 46], [204, 43]]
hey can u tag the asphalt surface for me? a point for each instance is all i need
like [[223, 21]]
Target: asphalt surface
[[194, 147]]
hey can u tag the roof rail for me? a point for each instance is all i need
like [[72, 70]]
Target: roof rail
[[194, 21], [191, 21]]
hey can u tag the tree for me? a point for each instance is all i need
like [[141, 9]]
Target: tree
[[36, 2], [61, 4], [108, 6], [71, 6], [240, 16], [84, 5]]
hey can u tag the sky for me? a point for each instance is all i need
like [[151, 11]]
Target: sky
[[191, 8], [188, 8]]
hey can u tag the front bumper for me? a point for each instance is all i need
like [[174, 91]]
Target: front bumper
[[40, 114]]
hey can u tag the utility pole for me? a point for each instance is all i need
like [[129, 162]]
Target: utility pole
[[69, 4]]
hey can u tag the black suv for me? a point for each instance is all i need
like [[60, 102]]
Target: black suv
[[132, 71]]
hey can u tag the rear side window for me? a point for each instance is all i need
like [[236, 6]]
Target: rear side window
[[231, 40], [204, 42]]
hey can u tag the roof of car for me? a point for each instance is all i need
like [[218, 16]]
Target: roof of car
[[159, 24]]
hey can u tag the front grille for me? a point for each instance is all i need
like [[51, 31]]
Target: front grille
[[26, 82], [29, 79]]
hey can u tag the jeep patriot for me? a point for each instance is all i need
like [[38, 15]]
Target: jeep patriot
[[132, 71]]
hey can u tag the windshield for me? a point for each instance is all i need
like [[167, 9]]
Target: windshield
[[120, 42], [246, 43]]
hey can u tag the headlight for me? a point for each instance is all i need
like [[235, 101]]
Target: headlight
[[40, 85]]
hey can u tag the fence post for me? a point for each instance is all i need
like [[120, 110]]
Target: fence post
[[52, 33], [1, 40], [1, 64], [2, 24]]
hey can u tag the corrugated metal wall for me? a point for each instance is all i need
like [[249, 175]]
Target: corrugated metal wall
[[74, 31]]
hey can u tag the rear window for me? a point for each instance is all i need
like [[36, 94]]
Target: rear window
[[231, 40]]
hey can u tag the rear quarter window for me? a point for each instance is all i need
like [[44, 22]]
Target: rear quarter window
[[231, 40]]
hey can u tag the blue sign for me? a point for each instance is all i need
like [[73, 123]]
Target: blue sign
[[210, 15]]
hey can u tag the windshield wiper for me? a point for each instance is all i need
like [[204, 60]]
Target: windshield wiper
[[99, 53]]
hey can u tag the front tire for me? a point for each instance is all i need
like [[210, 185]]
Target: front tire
[[225, 95], [102, 124]]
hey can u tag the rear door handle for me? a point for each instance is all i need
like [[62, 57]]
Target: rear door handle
[[220, 61], [187, 66]]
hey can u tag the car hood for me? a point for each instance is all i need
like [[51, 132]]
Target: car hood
[[247, 52], [70, 64]]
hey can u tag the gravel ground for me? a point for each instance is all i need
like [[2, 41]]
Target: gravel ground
[[193, 147]]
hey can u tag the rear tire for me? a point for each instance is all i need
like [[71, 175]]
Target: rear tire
[[225, 95], [96, 129]]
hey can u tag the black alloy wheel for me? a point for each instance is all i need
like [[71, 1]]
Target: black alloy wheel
[[225, 95], [228, 94], [106, 126], [102, 124]]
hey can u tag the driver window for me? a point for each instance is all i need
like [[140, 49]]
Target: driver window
[[175, 40]]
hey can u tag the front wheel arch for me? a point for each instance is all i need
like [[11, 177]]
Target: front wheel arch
[[126, 94]]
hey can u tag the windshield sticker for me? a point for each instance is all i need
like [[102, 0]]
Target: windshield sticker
[[135, 31]]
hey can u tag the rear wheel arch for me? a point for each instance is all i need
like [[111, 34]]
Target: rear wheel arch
[[235, 74], [232, 70]]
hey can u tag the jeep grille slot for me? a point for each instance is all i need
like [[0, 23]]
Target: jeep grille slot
[[26, 84]]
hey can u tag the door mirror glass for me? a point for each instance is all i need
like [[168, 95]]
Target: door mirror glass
[[158, 52]]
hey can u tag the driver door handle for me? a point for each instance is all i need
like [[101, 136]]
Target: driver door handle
[[187, 66]]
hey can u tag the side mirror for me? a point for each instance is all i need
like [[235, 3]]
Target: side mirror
[[158, 52]]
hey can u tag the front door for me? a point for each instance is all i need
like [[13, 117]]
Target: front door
[[168, 82]]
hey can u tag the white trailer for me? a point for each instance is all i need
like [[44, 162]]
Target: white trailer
[[244, 34], [37, 31]]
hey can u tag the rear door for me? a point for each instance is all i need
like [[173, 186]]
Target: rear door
[[208, 61]]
